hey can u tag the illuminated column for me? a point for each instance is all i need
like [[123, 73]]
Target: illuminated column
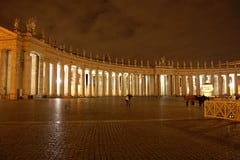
[[12, 68], [212, 82], [190, 80], [129, 83], [47, 78], [83, 82], [139, 85], [76, 81], [96, 82], [160, 85], [110, 83], [144, 85], [69, 79], [136, 84], [173, 85], [227, 84], [151, 82], [61, 81], [184, 85], [148, 83], [116, 83], [158, 88], [54, 75], [90, 82], [220, 83], [169, 85], [236, 83], [197, 85], [26, 78], [41, 76], [122, 84], [155, 85], [103, 83], [177, 85]]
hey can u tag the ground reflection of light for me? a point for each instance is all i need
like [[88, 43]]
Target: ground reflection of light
[[58, 110]]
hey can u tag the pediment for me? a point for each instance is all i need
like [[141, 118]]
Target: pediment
[[6, 34]]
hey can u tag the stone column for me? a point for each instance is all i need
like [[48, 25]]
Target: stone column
[[76, 81], [96, 83], [236, 83], [54, 78], [144, 86], [197, 85], [41, 78], [177, 86], [62, 79], [12, 68], [212, 82], [136, 85], [150, 85], [122, 85], [220, 83], [83, 82], [47, 78], [27, 76], [190, 82], [117, 84], [128, 83], [173, 85], [69, 79], [169, 86], [184, 85], [110, 83], [140, 84], [103, 83], [227, 84], [160, 85], [90, 82]]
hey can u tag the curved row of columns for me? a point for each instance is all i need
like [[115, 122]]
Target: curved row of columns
[[61, 79], [30, 67]]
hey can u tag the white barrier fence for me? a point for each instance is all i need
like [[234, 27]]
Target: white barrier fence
[[224, 109]]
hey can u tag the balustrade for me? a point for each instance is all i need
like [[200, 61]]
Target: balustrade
[[223, 109]]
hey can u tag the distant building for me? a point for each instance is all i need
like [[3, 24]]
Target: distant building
[[31, 66]]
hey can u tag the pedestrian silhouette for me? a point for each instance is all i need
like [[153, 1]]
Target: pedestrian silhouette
[[128, 99]]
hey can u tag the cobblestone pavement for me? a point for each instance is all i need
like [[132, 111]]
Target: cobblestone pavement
[[105, 129]]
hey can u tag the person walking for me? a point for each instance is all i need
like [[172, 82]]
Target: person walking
[[128, 99]]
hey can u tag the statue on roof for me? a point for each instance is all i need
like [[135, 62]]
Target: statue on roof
[[16, 24], [163, 61], [31, 25]]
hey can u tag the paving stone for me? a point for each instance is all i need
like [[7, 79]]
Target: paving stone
[[105, 129]]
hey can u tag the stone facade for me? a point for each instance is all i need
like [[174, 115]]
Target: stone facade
[[33, 67]]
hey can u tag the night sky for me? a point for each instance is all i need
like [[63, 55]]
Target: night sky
[[142, 29]]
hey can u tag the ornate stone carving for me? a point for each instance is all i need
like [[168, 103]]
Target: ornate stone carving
[[16, 24], [31, 25]]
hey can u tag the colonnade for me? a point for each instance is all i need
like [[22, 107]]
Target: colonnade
[[58, 79], [29, 67]]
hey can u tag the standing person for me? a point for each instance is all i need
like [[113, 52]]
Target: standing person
[[128, 99]]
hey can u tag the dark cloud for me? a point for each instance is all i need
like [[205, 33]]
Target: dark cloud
[[177, 29]]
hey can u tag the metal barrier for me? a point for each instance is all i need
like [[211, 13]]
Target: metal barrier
[[224, 109]]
